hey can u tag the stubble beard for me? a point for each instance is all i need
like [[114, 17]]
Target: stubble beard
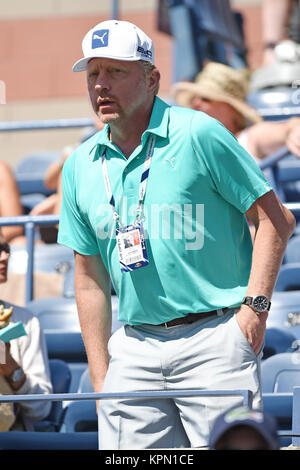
[[108, 118]]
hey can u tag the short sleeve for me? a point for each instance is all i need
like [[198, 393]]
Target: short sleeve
[[74, 229], [235, 174]]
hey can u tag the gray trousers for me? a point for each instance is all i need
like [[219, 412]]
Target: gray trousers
[[210, 354]]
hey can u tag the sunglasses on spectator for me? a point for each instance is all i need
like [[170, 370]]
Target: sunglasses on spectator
[[5, 247]]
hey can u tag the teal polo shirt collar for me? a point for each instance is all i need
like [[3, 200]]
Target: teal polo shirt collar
[[158, 125]]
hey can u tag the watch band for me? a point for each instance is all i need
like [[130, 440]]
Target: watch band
[[247, 301]]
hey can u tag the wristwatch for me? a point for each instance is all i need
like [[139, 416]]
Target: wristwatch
[[16, 376], [259, 303]]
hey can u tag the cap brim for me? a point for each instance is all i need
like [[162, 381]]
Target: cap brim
[[81, 64]]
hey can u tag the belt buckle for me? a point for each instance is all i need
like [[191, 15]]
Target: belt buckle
[[168, 327]]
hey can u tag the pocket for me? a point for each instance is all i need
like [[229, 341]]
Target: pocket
[[111, 340], [243, 341]]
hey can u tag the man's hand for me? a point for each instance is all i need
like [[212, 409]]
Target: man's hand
[[253, 326], [10, 364], [98, 389]]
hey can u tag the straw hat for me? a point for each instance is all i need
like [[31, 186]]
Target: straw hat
[[218, 82]]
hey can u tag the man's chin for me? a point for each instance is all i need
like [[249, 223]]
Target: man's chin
[[108, 118]]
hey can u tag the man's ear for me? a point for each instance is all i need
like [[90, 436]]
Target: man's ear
[[153, 81], [196, 103]]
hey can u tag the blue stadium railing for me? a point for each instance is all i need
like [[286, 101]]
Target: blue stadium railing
[[41, 124], [69, 440], [244, 393], [53, 440]]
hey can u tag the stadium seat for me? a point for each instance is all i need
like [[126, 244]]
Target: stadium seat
[[59, 321], [18, 440], [60, 379], [47, 258], [85, 384], [278, 340], [60, 313], [280, 405], [51, 259], [285, 312], [80, 416], [35, 163], [77, 369], [292, 253], [56, 313], [288, 177], [274, 103], [289, 169], [288, 277], [29, 174], [281, 372], [66, 345]]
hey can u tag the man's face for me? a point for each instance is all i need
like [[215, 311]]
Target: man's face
[[4, 257], [117, 89], [223, 112]]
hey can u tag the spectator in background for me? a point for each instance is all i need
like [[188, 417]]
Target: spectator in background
[[280, 31], [275, 18], [51, 204], [10, 204], [241, 428], [221, 91], [26, 368]]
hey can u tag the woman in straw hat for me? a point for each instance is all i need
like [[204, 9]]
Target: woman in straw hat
[[221, 91]]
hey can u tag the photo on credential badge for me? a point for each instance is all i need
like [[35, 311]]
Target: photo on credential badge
[[131, 239]]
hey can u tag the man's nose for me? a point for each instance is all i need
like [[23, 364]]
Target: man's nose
[[102, 82]]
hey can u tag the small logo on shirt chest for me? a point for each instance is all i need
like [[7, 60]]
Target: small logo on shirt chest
[[171, 161]]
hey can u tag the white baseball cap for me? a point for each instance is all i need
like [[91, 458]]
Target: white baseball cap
[[118, 40]]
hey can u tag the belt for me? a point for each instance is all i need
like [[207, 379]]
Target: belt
[[192, 317]]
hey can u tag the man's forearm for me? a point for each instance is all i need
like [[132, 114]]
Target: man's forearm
[[274, 226], [267, 137], [268, 252], [94, 314], [92, 288]]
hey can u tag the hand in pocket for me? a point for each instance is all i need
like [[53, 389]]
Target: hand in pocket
[[253, 327]]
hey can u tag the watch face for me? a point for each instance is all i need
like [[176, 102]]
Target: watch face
[[260, 303], [17, 375]]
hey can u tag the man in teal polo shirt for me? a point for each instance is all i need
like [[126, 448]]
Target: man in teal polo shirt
[[157, 203]]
